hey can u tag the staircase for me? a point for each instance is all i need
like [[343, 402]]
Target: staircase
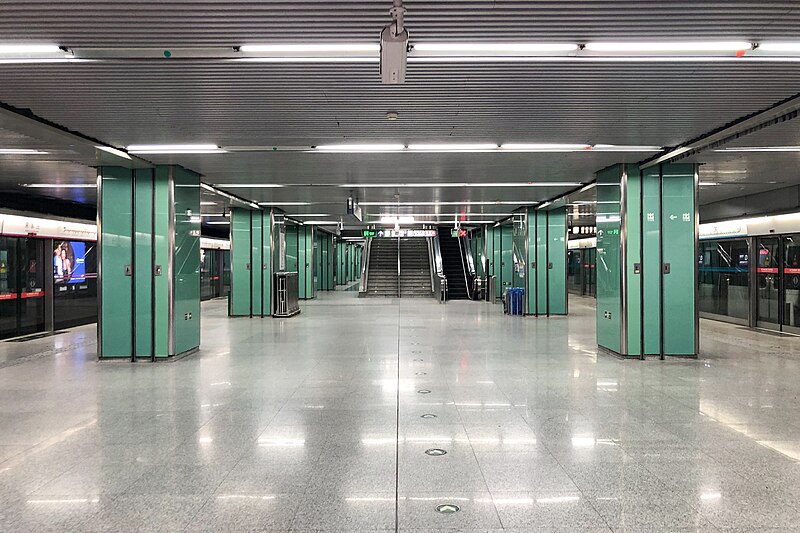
[[415, 269], [452, 265], [382, 276]]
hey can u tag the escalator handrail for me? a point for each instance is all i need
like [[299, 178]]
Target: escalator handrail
[[363, 283], [461, 253]]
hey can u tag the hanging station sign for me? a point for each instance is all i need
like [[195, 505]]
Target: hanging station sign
[[394, 233]]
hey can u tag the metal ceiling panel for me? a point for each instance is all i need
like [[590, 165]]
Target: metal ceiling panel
[[234, 22]]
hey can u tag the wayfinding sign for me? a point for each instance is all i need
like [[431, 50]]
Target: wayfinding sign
[[394, 233]]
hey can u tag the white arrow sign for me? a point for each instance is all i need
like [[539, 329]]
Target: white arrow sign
[[672, 217]]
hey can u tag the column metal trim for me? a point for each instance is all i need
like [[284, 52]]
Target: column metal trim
[[99, 217], [171, 260], [695, 260], [623, 251]]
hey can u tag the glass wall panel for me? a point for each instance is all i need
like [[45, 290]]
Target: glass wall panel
[[31, 264], [8, 287], [791, 280], [768, 281], [723, 287]]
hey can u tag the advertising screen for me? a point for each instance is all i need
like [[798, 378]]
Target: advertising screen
[[70, 263]]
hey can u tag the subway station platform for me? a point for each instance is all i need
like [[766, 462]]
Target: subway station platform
[[323, 423]]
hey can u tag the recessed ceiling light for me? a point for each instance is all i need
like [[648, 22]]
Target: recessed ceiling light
[[392, 115]]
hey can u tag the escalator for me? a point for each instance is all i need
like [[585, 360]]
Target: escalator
[[453, 265]]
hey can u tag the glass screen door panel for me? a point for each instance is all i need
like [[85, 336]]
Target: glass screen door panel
[[791, 283], [768, 283], [31, 270], [9, 293]]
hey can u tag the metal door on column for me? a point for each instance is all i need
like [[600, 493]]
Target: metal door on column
[[768, 283]]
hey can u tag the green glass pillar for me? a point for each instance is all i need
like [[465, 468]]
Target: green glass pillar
[[253, 261], [149, 251], [546, 279], [647, 229]]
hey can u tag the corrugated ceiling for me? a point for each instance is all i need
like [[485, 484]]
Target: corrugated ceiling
[[256, 104]]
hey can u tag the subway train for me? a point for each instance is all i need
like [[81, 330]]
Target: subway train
[[48, 273], [748, 271]]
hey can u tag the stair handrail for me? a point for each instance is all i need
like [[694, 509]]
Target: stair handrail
[[437, 270], [363, 282]]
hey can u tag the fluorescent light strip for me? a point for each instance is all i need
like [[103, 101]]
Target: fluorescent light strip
[[456, 184], [60, 186], [113, 151], [20, 151], [283, 48], [362, 147], [762, 149], [708, 183], [208, 203], [625, 148], [301, 59], [401, 204], [511, 48], [218, 222], [688, 47], [322, 222], [545, 147], [283, 203], [780, 47], [463, 147], [19, 49], [249, 185], [175, 149]]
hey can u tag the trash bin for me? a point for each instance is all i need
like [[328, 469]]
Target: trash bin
[[515, 299]]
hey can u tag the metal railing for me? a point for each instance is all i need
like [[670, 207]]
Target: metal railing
[[363, 282]]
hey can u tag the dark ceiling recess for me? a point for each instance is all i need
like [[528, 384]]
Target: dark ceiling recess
[[23, 201]]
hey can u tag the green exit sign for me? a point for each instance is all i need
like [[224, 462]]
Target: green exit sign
[[457, 232], [369, 233]]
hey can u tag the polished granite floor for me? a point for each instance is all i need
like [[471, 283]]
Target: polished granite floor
[[321, 423]]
